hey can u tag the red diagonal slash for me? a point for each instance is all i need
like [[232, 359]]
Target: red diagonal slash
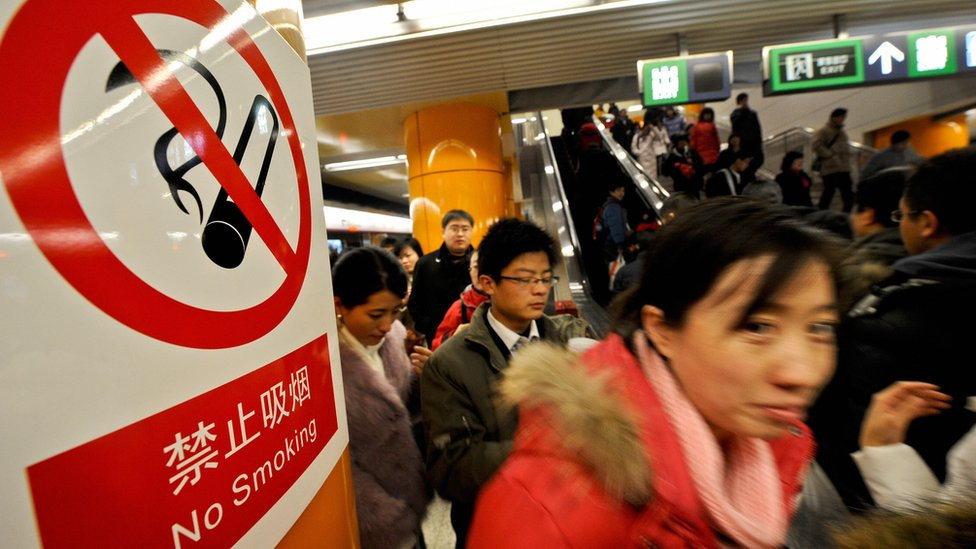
[[138, 53]]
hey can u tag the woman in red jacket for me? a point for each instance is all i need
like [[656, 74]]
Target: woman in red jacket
[[684, 427], [704, 139]]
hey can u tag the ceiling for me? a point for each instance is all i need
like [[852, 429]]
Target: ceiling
[[325, 7], [365, 93], [593, 46]]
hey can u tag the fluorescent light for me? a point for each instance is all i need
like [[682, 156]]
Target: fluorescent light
[[635, 108], [345, 219], [518, 121], [425, 18], [366, 163]]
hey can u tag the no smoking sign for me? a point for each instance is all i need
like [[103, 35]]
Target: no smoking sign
[[171, 196]]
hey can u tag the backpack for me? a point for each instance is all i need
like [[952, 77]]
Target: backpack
[[589, 138], [598, 225]]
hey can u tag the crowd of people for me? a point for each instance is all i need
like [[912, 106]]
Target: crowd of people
[[770, 378], [686, 155]]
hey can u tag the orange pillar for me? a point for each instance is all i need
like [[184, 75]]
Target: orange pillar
[[454, 161], [929, 138]]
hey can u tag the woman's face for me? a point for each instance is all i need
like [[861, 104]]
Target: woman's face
[[370, 321], [797, 165], [752, 378], [408, 258]]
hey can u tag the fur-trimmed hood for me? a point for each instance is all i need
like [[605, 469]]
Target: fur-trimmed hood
[[938, 525], [591, 420]]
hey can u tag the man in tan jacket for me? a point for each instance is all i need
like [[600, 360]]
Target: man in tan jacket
[[831, 145]]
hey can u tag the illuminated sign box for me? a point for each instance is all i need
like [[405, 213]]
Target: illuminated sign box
[[876, 59], [685, 79]]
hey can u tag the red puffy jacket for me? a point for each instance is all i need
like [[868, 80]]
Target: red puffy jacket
[[582, 474], [704, 139], [457, 314]]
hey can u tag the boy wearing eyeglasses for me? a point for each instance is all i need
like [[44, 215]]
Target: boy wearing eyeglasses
[[469, 437]]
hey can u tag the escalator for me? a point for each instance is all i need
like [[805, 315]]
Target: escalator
[[562, 189], [544, 200], [564, 185]]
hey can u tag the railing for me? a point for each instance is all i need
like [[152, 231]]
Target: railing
[[544, 201], [776, 146]]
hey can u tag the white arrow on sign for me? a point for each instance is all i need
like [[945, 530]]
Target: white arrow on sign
[[886, 52]]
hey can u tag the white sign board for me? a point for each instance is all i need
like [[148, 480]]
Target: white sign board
[[168, 337]]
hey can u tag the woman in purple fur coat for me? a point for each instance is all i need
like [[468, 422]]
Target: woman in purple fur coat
[[369, 285]]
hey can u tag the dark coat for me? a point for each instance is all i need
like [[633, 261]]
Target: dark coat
[[629, 275], [387, 469], [745, 122], [438, 278], [685, 170], [469, 436], [915, 325], [795, 187], [723, 183], [869, 261]]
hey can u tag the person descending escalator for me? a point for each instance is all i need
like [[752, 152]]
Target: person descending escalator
[[684, 167], [623, 128], [611, 229], [650, 144], [704, 139], [745, 122]]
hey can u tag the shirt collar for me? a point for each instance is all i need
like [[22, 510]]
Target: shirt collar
[[508, 336]]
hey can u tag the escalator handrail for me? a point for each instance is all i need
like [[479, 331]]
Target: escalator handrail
[[588, 308], [809, 133], [574, 240], [630, 165]]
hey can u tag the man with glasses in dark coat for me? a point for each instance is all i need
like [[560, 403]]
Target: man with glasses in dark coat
[[915, 325]]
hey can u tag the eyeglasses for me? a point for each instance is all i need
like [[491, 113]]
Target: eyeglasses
[[898, 215], [526, 282], [458, 229]]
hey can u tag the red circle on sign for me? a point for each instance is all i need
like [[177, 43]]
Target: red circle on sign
[[36, 177]]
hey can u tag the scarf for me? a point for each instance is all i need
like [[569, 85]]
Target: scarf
[[739, 487], [370, 355]]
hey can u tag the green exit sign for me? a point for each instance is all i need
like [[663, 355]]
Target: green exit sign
[[816, 65], [665, 82], [876, 59], [931, 53], [685, 79]]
